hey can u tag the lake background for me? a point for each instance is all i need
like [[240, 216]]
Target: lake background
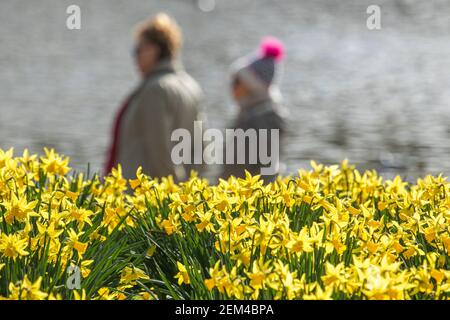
[[379, 98]]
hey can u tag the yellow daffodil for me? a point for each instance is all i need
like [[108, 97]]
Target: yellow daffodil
[[27, 290], [182, 275], [12, 246]]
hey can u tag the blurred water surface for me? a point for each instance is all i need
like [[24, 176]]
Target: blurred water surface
[[379, 98]]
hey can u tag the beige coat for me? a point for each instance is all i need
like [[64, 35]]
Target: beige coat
[[168, 99]]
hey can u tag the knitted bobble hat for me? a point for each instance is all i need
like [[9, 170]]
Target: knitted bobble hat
[[258, 72]]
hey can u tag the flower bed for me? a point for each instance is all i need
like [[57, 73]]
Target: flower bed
[[328, 233]]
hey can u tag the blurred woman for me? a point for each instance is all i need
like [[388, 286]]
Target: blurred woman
[[166, 99], [255, 92]]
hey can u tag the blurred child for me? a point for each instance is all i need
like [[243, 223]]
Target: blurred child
[[255, 92]]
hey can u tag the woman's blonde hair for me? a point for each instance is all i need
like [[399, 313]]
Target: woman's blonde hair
[[163, 31]]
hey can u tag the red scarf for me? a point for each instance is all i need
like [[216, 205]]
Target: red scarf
[[112, 154]]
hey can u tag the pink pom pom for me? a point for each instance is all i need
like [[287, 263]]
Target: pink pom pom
[[272, 48]]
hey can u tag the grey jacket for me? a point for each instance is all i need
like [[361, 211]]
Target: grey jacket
[[168, 99], [258, 113]]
